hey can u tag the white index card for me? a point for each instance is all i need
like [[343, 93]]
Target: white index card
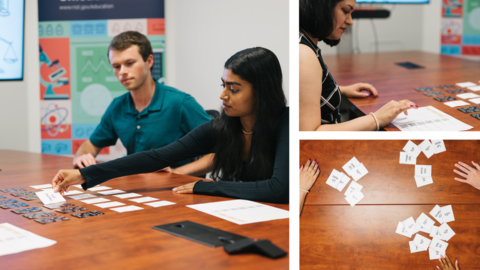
[[468, 95], [111, 192], [434, 254], [109, 204], [466, 84], [143, 199], [351, 165], [406, 158], [354, 198], [352, 187], [446, 232], [447, 213], [412, 149], [402, 230], [423, 180], [439, 245], [127, 195], [159, 203], [334, 178], [474, 88], [413, 248], [456, 103], [423, 170], [475, 100], [427, 148], [425, 223], [343, 182], [434, 233], [42, 186], [421, 242], [126, 208], [99, 188], [439, 146], [359, 172], [96, 200], [409, 224], [436, 213], [49, 197]]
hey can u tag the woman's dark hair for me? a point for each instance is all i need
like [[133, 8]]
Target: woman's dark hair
[[261, 68], [317, 18]]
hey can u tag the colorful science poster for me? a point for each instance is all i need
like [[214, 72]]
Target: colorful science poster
[[461, 27], [77, 82]]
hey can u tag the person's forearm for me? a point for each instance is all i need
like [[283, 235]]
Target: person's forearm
[[199, 167], [364, 123], [87, 148], [303, 196]]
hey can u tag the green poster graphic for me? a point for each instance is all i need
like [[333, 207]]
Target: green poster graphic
[[471, 18]]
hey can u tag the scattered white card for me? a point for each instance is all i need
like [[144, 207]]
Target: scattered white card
[[421, 242], [423, 170], [437, 213], [78, 186], [413, 248], [406, 158], [474, 88], [425, 223], [475, 100], [159, 203], [351, 165], [127, 195], [439, 146], [72, 192], [42, 186], [334, 178], [427, 148], [402, 230], [447, 213], [434, 254], [352, 188], [50, 197], [343, 182], [409, 224], [97, 200], [423, 180], [143, 199], [468, 95], [109, 204], [83, 196], [466, 84], [359, 172], [127, 208], [439, 245], [456, 103], [111, 192], [446, 232], [354, 198], [99, 188], [434, 233], [412, 149]]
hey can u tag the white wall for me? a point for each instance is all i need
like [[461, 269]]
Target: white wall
[[202, 35], [409, 27], [19, 100]]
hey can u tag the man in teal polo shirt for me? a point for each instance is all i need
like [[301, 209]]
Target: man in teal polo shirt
[[150, 115]]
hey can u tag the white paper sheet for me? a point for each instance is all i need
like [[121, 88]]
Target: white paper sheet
[[126, 208], [109, 204], [97, 200], [446, 232], [434, 254], [423, 170], [241, 211], [468, 95], [351, 165], [439, 146], [475, 100], [42, 186], [439, 245], [143, 199], [359, 172], [413, 248], [354, 198], [474, 88], [50, 197], [447, 213], [423, 180], [456, 103], [409, 224], [127, 195], [434, 233], [111, 192], [343, 182], [14, 240], [78, 186], [334, 178], [99, 188], [159, 203], [425, 223], [405, 158], [412, 149], [421, 242], [436, 213], [402, 230], [72, 192], [466, 84], [427, 148], [428, 119], [352, 188], [83, 196]]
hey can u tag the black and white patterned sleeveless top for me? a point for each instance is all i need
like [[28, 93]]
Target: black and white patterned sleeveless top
[[331, 95]]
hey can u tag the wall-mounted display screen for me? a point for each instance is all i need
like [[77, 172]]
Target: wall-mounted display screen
[[12, 13]]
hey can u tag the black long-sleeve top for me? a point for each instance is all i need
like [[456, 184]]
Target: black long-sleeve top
[[196, 143]]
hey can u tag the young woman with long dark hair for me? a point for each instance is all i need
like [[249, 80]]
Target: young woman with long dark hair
[[249, 140], [320, 96]]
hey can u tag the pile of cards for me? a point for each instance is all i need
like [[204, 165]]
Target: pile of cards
[[423, 173], [438, 245], [338, 180]]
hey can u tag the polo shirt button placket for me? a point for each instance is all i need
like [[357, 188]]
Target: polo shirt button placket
[[138, 127]]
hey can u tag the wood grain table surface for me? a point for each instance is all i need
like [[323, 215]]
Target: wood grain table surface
[[394, 82], [334, 235], [127, 240]]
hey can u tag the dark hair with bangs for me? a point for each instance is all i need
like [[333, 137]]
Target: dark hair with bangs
[[126, 39], [317, 18], [261, 68]]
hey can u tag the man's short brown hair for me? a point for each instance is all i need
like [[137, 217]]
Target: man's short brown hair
[[126, 39]]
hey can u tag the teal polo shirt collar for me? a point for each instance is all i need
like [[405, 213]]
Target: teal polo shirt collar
[[156, 103]]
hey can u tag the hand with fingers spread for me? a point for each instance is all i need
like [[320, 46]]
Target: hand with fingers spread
[[359, 90], [386, 114], [447, 264], [308, 175], [471, 174], [84, 161], [65, 178]]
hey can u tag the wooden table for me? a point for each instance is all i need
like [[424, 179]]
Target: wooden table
[[332, 233], [394, 82], [127, 240]]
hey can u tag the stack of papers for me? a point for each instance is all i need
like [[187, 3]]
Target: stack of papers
[[428, 119], [440, 234], [423, 173], [338, 180], [14, 240]]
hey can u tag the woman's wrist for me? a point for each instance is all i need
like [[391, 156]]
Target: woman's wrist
[[377, 125], [304, 190]]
